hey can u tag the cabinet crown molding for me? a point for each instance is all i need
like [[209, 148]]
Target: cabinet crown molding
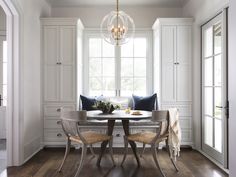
[[172, 21]]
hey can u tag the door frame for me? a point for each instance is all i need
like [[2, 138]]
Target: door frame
[[14, 122], [223, 16]]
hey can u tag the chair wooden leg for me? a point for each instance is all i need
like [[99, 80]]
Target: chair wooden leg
[[83, 155], [68, 144], [91, 150], [154, 153], [141, 155], [172, 160], [126, 149], [111, 151]]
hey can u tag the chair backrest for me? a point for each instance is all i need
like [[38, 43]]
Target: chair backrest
[[70, 121], [161, 116]]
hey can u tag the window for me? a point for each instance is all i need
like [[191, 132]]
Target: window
[[3, 80], [117, 70]]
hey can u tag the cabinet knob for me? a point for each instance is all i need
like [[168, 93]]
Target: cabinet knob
[[118, 135], [59, 110], [58, 122], [59, 135], [58, 63]]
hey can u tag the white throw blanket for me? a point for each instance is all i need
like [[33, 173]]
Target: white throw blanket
[[174, 133]]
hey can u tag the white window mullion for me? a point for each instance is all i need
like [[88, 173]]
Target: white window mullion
[[118, 69]]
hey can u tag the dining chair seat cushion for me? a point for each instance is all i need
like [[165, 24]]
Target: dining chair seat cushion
[[145, 137], [144, 103], [91, 137]]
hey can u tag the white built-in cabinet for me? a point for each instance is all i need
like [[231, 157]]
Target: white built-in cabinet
[[59, 68], [172, 65]]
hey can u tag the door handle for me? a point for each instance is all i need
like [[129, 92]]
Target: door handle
[[1, 100]]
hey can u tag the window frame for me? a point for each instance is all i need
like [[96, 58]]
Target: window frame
[[141, 32]]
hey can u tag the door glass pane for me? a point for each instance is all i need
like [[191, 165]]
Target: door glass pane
[[217, 38], [126, 66], [127, 49], [95, 46], [108, 86], [107, 50], [126, 86], [218, 102], [208, 43], [140, 47], [140, 86], [108, 67], [218, 135], [4, 67], [139, 67], [208, 129], [95, 86], [209, 101], [208, 72], [95, 67], [218, 71]]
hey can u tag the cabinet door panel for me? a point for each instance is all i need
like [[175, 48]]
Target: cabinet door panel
[[168, 44], [184, 52], [168, 83], [184, 44], [168, 59], [51, 45], [67, 83], [67, 44], [51, 83], [183, 83]]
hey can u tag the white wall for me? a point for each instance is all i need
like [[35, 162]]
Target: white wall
[[201, 11], [31, 11], [144, 17], [232, 88]]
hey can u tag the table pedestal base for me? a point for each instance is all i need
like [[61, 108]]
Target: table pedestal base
[[110, 128]]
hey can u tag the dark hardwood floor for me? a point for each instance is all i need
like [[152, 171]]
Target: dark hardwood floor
[[45, 164]]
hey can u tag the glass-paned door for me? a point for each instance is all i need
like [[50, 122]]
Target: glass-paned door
[[214, 89], [3, 86]]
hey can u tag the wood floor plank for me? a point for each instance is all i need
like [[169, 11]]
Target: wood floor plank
[[46, 162]]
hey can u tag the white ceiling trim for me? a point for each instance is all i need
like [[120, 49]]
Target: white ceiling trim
[[86, 3]]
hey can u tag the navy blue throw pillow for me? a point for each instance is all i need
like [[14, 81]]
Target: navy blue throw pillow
[[144, 103], [88, 102]]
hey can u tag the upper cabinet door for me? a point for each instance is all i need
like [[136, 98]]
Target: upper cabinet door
[[50, 45], [67, 45], [183, 60], [168, 51]]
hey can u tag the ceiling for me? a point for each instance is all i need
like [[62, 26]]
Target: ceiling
[[161, 3]]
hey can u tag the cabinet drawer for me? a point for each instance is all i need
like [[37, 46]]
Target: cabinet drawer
[[54, 110], [184, 110], [52, 123], [54, 136], [118, 137]]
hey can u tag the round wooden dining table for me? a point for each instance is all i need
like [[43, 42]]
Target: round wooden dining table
[[111, 118]]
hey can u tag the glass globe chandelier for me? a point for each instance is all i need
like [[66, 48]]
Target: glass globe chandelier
[[117, 27]]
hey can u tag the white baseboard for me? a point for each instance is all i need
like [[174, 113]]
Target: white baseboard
[[28, 158], [31, 148]]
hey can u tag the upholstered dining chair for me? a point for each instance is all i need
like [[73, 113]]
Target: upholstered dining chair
[[70, 121], [152, 138]]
